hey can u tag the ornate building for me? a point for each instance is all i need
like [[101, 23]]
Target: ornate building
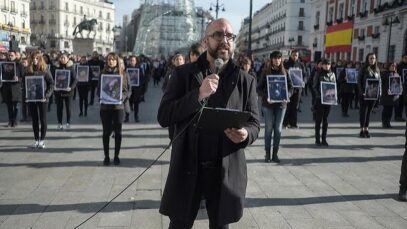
[[53, 23], [14, 21]]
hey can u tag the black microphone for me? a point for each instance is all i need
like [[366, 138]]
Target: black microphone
[[218, 65]]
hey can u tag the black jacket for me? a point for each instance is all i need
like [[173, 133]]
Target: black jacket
[[343, 85], [321, 76], [386, 99], [11, 91], [290, 63], [365, 74], [73, 81], [262, 88], [178, 106]]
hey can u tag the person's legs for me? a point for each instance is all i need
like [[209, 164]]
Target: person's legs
[[10, 112], [106, 117], [326, 110], [68, 109], [43, 119], [403, 178], [81, 99], [60, 107], [278, 115], [117, 127], [318, 121], [362, 117], [15, 113], [33, 107], [268, 122]]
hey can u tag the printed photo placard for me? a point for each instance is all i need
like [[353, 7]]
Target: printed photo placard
[[82, 73], [395, 87], [62, 79], [329, 95], [277, 90], [372, 89], [95, 72], [8, 72], [111, 89], [296, 77], [34, 88], [134, 75], [351, 76]]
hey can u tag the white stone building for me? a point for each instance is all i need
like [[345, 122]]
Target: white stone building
[[318, 28], [53, 23], [15, 20], [279, 25]]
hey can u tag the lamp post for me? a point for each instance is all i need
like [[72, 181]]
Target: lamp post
[[390, 22], [217, 8]]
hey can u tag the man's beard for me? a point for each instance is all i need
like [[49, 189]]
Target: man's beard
[[214, 53]]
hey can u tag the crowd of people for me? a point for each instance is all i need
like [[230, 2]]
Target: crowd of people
[[187, 87]]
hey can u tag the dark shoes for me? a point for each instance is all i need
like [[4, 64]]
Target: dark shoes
[[386, 125], [403, 195], [80, 114], [324, 143], [317, 142], [345, 115], [367, 135], [106, 161], [267, 157], [364, 134], [399, 119], [116, 160], [274, 157]]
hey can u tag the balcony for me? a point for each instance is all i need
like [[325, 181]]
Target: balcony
[[376, 35], [23, 14], [301, 14], [351, 17], [361, 38], [52, 21], [5, 8], [33, 7], [339, 20], [314, 45], [41, 22], [301, 28], [33, 22], [316, 27], [363, 14], [329, 23], [13, 10], [52, 7]]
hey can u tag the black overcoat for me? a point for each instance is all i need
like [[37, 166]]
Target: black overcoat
[[178, 107]]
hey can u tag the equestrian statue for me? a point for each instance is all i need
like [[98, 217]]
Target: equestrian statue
[[86, 25]]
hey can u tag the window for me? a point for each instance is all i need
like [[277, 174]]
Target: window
[[364, 6], [340, 12], [379, 2], [361, 53], [302, 12], [74, 21], [317, 15], [362, 32], [100, 14], [376, 51], [108, 16], [81, 10], [66, 6], [299, 39], [331, 14], [352, 7], [376, 29], [53, 44], [300, 25], [42, 5], [74, 8], [23, 24], [13, 6], [66, 44], [302, 1]]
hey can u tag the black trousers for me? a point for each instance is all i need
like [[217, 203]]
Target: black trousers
[[112, 121], [50, 102], [387, 112], [83, 98], [12, 109], [346, 101], [399, 107], [403, 176], [365, 109], [93, 86], [38, 110], [208, 188], [60, 100], [292, 109], [24, 110], [136, 102], [321, 116]]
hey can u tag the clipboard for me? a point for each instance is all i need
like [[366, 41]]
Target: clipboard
[[219, 119]]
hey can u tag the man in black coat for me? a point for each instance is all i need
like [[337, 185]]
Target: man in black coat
[[403, 175], [95, 61], [209, 165]]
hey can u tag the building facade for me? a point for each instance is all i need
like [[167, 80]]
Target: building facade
[[53, 23], [350, 29], [15, 21], [279, 25]]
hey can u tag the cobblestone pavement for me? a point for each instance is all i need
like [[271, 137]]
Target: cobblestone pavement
[[351, 184]]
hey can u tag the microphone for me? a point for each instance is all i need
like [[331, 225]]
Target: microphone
[[218, 65]]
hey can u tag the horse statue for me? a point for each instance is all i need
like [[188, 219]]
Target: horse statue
[[85, 25]]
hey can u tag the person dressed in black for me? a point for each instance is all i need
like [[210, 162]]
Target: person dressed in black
[[207, 164], [136, 91], [83, 89], [403, 175], [95, 61], [346, 90], [402, 103], [369, 71], [64, 96], [11, 90], [290, 119], [112, 114], [38, 110], [388, 100], [322, 110]]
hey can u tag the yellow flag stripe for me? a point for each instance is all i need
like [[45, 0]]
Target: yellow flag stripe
[[343, 37]]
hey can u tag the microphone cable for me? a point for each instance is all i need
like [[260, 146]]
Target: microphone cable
[[148, 167]]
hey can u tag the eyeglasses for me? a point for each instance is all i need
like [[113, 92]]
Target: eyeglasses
[[219, 36]]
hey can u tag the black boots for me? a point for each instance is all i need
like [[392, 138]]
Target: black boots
[[403, 195], [275, 157], [267, 158]]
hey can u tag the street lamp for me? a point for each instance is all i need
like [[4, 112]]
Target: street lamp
[[390, 22], [217, 8], [250, 28]]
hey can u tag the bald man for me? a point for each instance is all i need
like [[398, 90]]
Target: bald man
[[208, 165]]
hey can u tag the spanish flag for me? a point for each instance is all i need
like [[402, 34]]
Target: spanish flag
[[339, 38]]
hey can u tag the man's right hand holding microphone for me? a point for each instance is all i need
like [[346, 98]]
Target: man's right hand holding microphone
[[208, 87]]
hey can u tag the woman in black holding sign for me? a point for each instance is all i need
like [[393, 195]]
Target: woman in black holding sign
[[388, 99], [38, 67], [136, 91], [322, 110], [273, 111], [112, 114], [63, 95], [83, 88], [369, 71]]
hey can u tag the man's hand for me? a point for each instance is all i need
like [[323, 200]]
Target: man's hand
[[208, 87], [236, 135]]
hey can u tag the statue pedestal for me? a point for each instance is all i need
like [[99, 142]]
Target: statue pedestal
[[83, 46]]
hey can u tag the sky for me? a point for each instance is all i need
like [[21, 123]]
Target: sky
[[235, 10]]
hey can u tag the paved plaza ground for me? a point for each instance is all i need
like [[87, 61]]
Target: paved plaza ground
[[351, 184]]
